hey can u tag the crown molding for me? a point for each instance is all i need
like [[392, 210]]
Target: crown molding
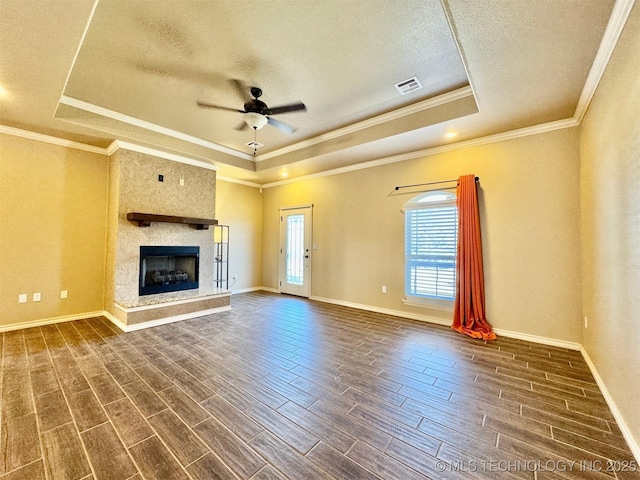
[[371, 122], [617, 21], [463, 57], [113, 147], [499, 137], [511, 134], [110, 150], [39, 137], [79, 47], [350, 129], [136, 122], [240, 182], [119, 144]]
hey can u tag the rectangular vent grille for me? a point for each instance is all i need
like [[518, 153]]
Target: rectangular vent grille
[[255, 145], [407, 86]]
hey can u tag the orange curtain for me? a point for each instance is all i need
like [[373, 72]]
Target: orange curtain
[[468, 315]]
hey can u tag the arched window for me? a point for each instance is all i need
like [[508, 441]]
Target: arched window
[[431, 237]]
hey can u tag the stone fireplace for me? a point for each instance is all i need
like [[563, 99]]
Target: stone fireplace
[[143, 182]]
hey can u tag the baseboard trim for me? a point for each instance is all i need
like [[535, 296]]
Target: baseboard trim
[[246, 290], [114, 320], [628, 436], [386, 311], [103, 313], [48, 321], [553, 342], [269, 289], [425, 318], [163, 321]]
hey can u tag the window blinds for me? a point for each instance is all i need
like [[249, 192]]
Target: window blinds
[[430, 250]]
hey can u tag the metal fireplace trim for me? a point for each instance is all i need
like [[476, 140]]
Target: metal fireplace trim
[[167, 251]]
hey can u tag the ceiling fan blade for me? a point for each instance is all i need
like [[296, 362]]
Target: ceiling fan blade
[[241, 126], [294, 107], [241, 89], [281, 126], [219, 107]]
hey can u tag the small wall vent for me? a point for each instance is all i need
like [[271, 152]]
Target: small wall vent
[[409, 85]]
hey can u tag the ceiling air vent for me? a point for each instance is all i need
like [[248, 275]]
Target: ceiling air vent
[[255, 145], [409, 85]]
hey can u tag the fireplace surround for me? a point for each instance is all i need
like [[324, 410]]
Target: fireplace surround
[[168, 269], [187, 193]]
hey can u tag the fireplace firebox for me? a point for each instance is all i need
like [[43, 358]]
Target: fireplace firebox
[[168, 269]]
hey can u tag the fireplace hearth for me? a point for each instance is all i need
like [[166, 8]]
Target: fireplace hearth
[[168, 269]]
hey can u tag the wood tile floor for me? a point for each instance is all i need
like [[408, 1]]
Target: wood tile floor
[[281, 387]]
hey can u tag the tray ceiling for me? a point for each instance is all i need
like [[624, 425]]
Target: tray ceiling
[[134, 70]]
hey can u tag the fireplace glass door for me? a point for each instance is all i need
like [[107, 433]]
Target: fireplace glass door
[[168, 269]]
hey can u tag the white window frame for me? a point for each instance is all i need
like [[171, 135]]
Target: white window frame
[[430, 200]]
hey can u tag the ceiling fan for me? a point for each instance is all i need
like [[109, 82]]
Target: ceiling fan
[[256, 113]]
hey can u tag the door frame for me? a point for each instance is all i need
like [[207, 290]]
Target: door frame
[[282, 245]]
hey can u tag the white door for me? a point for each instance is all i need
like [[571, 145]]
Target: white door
[[295, 251]]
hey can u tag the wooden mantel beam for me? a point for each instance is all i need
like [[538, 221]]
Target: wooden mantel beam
[[145, 219]]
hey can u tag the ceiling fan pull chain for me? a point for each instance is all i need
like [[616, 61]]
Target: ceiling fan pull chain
[[255, 140]]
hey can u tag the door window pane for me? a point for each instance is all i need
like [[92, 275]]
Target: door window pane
[[295, 249]]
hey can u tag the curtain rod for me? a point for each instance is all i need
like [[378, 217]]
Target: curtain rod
[[430, 183]]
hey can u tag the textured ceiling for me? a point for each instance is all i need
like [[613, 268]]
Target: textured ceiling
[[152, 61], [133, 70]]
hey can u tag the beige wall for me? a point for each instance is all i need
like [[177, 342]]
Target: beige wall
[[53, 205], [610, 190], [529, 200], [240, 207]]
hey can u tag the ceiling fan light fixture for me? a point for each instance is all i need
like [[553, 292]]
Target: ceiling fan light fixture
[[255, 120]]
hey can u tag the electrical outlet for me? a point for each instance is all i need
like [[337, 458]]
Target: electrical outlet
[[37, 297], [384, 289], [182, 182], [586, 322], [64, 294], [22, 298]]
